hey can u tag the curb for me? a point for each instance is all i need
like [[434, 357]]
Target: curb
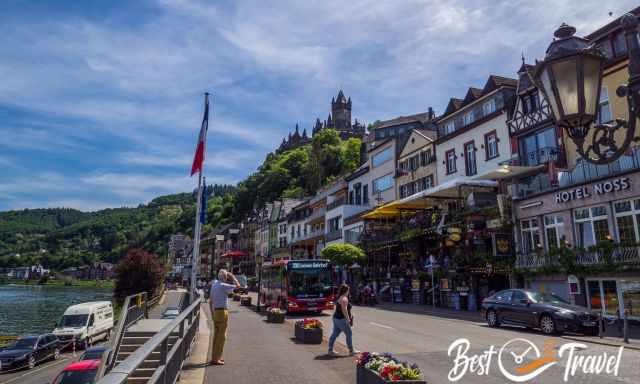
[[603, 342]]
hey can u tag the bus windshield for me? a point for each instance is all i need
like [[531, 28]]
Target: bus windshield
[[310, 280]]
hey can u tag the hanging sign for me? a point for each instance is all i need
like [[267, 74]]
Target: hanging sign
[[574, 285]]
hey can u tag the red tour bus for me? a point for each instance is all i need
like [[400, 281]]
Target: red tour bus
[[298, 285]]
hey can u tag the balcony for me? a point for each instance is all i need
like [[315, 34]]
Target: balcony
[[336, 203], [334, 235], [582, 173], [352, 237], [619, 256], [317, 214], [544, 155]]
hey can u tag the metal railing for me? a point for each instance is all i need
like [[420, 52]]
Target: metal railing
[[352, 237], [316, 214], [135, 307], [582, 173], [543, 155], [618, 256], [336, 203], [334, 235], [184, 327]]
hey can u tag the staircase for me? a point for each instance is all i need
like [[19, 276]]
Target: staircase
[[135, 337]]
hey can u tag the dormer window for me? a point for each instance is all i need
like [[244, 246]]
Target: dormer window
[[530, 103], [449, 127], [468, 118], [489, 107]]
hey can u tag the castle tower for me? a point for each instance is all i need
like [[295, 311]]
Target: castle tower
[[341, 112]]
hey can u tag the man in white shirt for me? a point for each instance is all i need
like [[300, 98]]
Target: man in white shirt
[[219, 304]]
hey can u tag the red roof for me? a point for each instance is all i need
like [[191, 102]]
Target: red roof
[[83, 365]]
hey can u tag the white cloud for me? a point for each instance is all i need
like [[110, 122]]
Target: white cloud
[[235, 159]]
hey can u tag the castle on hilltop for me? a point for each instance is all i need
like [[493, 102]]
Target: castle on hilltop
[[339, 119]]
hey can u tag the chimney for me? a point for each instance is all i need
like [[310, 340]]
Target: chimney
[[431, 114]]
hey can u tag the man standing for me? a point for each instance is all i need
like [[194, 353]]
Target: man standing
[[219, 304]]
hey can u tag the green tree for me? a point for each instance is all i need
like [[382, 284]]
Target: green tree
[[344, 254]]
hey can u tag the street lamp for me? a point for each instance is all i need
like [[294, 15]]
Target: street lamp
[[571, 76]]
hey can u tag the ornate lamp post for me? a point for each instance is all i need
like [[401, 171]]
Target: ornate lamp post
[[571, 76]]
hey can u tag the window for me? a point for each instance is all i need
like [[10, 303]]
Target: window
[[553, 229], [425, 157], [428, 182], [468, 118], [592, 225], [604, 109], [540, 147], [382, 183], [334, 224], [351, 198], [365, 194], [491, 145], [489, 107], [382, 157], [470, 159], [414, 161], [530, 235], [619, 45], [605, 48], [628, 220], [449, 127], [403, 191], [451, 161]]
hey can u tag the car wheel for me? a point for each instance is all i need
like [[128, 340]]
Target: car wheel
[[547, 325], [492, 318], [32, 362], [56, 354]]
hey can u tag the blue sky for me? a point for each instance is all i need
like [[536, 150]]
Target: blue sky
[[101, 101]]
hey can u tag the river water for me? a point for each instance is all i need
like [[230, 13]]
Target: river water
[[36, 309]]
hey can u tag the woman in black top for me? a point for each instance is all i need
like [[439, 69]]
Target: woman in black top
[[342, 320]]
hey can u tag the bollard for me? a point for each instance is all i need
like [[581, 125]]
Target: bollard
[[626, 328], [601, 326]]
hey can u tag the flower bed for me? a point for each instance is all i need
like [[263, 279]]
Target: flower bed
[[246, 301], [309, 331], [374, 368], [275, 315]]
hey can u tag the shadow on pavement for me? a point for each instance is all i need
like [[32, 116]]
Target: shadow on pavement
[[421, 309], [327, 357]]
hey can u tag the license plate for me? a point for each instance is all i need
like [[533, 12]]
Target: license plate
[[589, 323]]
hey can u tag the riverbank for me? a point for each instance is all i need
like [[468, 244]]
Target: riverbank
[[109, 284]]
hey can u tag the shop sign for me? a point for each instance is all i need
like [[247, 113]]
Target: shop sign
[[502, 244], [574, 285], [415, 284], [463, 290], [586, 191]]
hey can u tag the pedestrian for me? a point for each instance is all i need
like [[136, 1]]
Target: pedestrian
[[219, 304], [342, 321]]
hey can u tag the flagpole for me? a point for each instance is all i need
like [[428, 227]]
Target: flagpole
[[196, 231]]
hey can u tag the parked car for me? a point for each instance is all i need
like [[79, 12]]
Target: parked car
[[85, 323], [28, 351], [96, 353], [549, 312], [171, 313], [244, 289], [80, 372]]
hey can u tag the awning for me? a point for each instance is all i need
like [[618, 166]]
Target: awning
[[235, 254], [509, 171], [458, 187]]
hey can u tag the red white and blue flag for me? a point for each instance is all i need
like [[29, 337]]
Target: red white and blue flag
[[198, 158]]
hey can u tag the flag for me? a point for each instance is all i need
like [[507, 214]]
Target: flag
[[198, 158], [205, 197]]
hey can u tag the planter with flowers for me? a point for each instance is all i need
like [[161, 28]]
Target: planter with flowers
[[275, 315], [309, 331], [245, 300], [374, 368]]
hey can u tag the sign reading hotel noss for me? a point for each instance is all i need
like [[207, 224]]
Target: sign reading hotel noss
[[587, 191]]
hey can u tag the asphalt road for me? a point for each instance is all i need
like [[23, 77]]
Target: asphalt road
[[426, 339]]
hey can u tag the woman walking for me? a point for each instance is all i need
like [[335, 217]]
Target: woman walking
[[342, 321]]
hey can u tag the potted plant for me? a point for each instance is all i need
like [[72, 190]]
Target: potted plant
[[275, 315], [309, 331], [374, 368], [246, 301]]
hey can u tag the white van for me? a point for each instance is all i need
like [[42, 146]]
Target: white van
[[86, 323]]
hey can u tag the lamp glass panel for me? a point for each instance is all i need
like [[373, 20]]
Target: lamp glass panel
[[566, 76], [548, 90], [592, 74]]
